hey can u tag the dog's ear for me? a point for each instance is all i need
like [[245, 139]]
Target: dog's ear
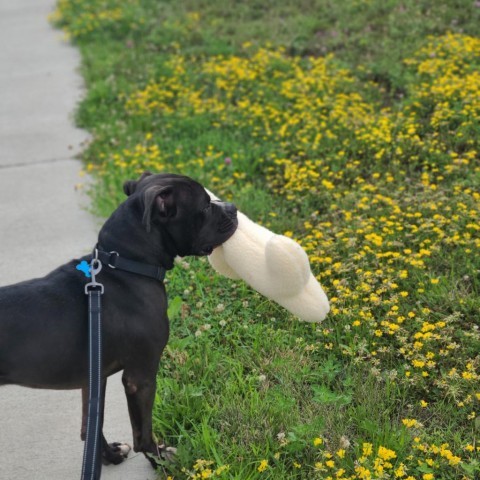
[[130, 186], [159, 202]]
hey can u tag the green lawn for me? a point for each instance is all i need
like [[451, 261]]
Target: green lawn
[[353, 127]]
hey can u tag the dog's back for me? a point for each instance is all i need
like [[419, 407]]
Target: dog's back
[[41, 330]]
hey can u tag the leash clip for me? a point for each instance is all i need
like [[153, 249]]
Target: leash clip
[[95, 268]]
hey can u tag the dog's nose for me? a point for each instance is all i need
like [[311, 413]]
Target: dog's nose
[[230, 209]]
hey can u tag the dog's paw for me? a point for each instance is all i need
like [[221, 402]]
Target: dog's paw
[[167, 454], [115, 453], [163, 456]]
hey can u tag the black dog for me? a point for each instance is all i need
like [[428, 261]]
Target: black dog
[[43, 322]]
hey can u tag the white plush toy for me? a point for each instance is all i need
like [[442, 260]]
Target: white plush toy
[[273, 265]]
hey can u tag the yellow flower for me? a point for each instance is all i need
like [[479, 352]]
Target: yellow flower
[[400, 471], [222, 469], [385, 453], [263, 466], [410, 422], [317, 441], [418, 363], [363, 473], [367, 449], [328, 185]]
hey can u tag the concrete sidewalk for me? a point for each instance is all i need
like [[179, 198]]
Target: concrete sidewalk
[[43, 223]]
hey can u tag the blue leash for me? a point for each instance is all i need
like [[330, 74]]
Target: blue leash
[[92, 465]]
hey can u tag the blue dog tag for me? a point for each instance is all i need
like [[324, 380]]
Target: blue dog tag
[[84, 267]]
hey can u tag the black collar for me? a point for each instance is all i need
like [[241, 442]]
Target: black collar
[[114, 260]]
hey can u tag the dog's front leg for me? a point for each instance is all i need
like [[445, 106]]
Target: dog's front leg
[[140, 392]]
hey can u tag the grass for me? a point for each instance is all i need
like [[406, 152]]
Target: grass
[[353, 127]]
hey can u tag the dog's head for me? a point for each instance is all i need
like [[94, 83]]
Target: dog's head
[[182, 208]]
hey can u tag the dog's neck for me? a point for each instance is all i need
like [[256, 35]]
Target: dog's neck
[[125, 233]]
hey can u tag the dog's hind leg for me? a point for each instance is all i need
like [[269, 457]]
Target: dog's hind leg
[[4, 379], [114, 452], [83, 430]]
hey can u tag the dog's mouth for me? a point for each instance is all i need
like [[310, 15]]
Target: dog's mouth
[[224, 228], [208, 250]]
